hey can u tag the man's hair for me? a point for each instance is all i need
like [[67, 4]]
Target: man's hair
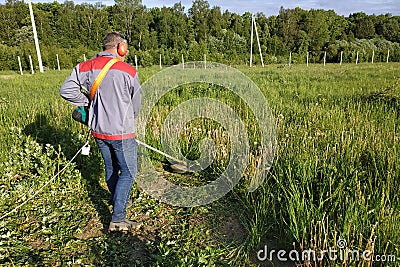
[[112, 39]]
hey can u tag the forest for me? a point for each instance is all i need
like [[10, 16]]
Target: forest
[[332, 188], [72, 30]]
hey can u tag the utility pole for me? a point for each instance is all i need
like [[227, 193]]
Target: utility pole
[[251, 40], [35, 37], [258, 41], [254, 27]]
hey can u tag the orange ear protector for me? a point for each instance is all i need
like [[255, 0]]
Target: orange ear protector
[[122, 49]]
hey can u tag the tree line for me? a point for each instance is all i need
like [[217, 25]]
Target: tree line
[[70, 30]]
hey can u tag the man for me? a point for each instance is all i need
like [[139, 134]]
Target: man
[[114, 107]]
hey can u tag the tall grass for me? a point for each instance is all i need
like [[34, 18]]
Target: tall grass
[[335, 174], [337, 160]]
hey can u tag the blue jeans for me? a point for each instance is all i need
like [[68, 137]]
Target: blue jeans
[[120, 160]]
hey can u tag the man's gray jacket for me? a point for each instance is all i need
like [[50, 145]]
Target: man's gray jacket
[[117, 101]]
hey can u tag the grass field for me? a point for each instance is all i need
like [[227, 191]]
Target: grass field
[[336, 176]]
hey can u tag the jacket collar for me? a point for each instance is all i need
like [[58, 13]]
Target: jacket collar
[[105, 54]]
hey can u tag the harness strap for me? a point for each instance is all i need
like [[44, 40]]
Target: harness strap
[[100, 77]]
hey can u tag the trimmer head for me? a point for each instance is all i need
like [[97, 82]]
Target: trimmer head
[[179, 168]]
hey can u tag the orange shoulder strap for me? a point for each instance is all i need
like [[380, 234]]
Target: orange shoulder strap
[[100, 77]]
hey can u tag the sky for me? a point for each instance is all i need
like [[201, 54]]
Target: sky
[[271, 7]]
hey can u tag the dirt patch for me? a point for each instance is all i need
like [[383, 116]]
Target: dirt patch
[[196, 220], [37, 243], [92, 229], [231, 230]]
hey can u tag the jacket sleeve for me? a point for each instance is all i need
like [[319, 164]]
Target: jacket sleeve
[[137, 96], [71, 89]]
